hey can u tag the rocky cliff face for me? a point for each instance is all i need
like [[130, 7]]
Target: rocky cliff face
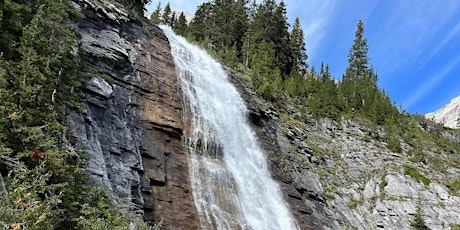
[[334, 175], [341, 175], [131, 125], [448, 115]]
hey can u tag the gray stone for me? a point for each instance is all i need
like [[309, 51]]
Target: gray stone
[[100, 87]]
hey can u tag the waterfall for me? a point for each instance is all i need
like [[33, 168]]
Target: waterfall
[[231, 183]]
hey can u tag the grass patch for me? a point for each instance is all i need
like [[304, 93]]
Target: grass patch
[[415, 174], [354, 203], [454, 187]]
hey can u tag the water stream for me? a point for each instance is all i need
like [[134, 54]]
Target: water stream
[[231, 183]]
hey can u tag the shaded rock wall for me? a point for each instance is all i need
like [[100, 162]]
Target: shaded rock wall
[[131, 124]]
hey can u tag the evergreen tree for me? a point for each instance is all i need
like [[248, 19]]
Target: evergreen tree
[[280, 37], [357, 58], [357, 70], [201, 22], [13, 18], [156, 15], [137, 6], [239, 25], [220, 30], [173, 20], [297, 46], [166, 16], [270, 25], [181, 25], [265, 75], [418, 223]]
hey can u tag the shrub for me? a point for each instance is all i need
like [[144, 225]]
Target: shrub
[[413, 172]]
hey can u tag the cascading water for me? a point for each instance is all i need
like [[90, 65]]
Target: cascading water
[[231, 185]]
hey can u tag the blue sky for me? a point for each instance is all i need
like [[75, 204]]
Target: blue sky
[[414, 45]]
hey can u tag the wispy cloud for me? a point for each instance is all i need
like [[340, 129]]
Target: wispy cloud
[[314, 16], [432, 82]]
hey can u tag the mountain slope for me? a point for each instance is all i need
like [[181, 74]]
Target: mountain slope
[[448, 115]]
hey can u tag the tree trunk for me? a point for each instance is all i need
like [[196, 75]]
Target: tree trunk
[[2, 188]]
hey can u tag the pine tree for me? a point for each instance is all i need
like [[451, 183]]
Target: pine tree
[[14, 16], [356, 70], [173, 20], [201, 22], [270, 25], [166, 16], [297, 46], [418, 223], [358, 62], [155, 17], [181, 25], [280, 37], [239, 25]]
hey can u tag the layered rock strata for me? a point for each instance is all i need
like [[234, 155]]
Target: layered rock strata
[[131, 124]]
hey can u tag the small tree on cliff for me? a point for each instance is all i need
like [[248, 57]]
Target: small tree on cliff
[[418, 223]]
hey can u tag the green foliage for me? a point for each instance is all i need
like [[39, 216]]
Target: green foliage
[[137, 6], [180, 26], [415, 174], [167, 17], [39, 80], [98, 213], [394, 144], [383, 182], [156, 15], [31, 201], [418, 223], [354, 202], [454, 187], [297, 46], [34, 201]]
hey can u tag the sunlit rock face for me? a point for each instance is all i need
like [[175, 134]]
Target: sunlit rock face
[[448, 115]]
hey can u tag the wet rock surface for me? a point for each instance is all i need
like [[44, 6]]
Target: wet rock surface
[[131, 123], [333, 174]]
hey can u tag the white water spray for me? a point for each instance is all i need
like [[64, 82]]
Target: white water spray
[[231, 184]]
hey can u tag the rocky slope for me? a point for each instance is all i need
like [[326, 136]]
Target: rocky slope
[[334, 175], [341, 175], [448, 115]]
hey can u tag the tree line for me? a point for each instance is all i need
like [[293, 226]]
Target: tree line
[[259, 39]]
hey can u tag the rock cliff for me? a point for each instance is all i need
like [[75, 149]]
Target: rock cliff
[[448, 115], [131, 122], [334, 175], [341, 175]]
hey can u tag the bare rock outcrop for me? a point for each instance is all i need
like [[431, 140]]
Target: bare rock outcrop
[[131, 124]]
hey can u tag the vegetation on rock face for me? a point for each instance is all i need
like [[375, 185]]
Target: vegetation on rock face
[[270, 55], [418, 223], [42, 181], [414, 173], [257, 42]]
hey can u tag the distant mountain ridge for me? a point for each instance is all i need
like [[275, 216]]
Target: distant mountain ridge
[[448, 115]]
